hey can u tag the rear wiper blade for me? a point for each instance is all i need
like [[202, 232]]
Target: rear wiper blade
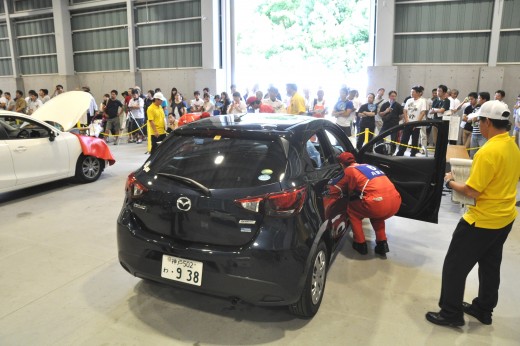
[[187, 181]]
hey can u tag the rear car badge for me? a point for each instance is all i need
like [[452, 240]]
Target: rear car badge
[[183, 203]]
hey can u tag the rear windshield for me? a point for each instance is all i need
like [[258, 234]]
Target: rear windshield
[[220, 163]]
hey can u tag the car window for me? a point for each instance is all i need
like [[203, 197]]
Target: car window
[[18, 128], [337, 145], [314, 150], [218, 162]]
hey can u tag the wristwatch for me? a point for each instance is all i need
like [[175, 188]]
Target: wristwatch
[[447, 184]]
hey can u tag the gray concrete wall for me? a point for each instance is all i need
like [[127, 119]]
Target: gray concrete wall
[[185, 80], [465, 78]]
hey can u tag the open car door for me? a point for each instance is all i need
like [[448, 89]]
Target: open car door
[[419, 179]]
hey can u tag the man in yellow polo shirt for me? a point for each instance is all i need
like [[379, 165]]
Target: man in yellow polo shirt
[[480, 234], [297, 103], [156, 122]]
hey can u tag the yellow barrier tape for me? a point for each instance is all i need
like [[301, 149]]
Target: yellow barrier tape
[[123, 135], [365, 133]]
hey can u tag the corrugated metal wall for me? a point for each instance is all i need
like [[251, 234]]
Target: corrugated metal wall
[[509, 46], [27, 5], [169, 35], [100, 40], [419, 28], [5, 52], [36, 46]]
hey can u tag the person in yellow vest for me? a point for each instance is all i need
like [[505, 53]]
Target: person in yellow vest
[[156, 121], [481, 232], [297, 102]]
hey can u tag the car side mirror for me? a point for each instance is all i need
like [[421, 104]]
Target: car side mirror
[[52, 136]]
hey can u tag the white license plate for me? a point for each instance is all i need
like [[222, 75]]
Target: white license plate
[[183, 270]]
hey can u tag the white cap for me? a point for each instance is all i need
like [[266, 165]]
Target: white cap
[[159, 96], [494, 110]]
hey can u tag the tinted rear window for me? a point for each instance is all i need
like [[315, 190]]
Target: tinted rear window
[[219, 162]]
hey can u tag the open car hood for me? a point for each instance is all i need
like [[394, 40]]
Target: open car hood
[[65, 109]]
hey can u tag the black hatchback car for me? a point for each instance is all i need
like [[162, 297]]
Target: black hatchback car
[[234, 207]]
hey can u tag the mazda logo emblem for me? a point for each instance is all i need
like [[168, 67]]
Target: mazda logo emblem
[[184, 203]]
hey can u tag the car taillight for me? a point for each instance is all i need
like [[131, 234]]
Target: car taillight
[[134, 189], [283, 203]]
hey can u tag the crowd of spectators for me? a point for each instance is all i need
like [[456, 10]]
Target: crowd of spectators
[[377, 112]]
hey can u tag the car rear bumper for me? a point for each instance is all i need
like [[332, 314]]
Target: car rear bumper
[[265, 276]]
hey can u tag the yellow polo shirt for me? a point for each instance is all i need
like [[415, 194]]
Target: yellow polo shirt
[[156, 114], [495, 173], [297, 104]]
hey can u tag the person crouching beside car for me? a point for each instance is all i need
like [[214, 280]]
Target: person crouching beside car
[[372, 195]]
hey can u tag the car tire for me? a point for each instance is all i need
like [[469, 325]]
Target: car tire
[[312, 294], [89, 168]]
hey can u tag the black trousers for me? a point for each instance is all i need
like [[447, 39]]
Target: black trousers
[[155, 140], [406, 137], [471, 245]]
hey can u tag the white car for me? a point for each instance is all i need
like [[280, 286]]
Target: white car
[[33, 152]]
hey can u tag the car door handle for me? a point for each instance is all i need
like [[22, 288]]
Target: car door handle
[[20, 149], [383, 165]]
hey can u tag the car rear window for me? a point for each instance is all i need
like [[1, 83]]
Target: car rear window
[[219, 162]]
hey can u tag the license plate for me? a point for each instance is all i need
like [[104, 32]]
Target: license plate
[[183, 270]]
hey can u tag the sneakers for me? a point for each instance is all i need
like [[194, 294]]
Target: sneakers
[[483, 317], [381, 248], [360, 247], [139, 141]]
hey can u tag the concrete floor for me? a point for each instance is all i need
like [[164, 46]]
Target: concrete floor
[[61, 283]]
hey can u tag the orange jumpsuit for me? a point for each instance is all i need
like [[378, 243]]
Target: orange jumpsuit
[[373, 196]]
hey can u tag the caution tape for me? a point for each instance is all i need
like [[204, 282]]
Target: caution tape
[[123, 135], [367, 131]]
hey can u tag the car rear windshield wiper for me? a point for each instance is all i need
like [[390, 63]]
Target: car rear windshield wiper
[[187, 181]]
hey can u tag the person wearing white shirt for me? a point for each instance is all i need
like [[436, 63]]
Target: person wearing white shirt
[[3, 100], [454, 101], [273, 101], [136, 117], [33, 103], [44, 95], [197, 103], [237, 106]]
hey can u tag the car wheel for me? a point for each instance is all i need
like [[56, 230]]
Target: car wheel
[[312, 294], [89, 168]]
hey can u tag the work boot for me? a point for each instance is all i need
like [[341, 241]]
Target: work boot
[[360, 247], [381, 248]]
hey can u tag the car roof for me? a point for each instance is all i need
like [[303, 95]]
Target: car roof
[[257, 123]]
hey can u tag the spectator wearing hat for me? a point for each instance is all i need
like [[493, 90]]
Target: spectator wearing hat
[[372, 195], [481, 232], [259, 107], [249, 103], [156, 121]]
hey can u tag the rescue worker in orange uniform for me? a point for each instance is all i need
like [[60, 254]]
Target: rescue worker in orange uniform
[[372, 195]]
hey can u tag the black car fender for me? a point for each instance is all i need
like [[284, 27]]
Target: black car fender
[[325, 227]]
